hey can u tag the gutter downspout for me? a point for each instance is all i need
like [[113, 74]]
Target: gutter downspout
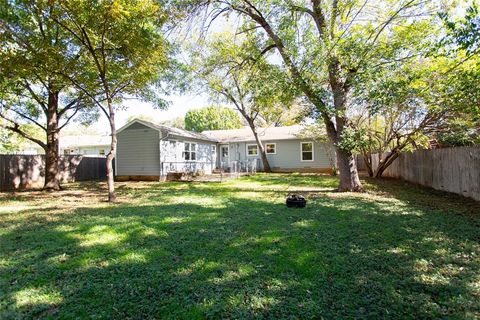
[[160, 151]]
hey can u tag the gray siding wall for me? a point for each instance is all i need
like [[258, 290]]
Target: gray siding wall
[[138, 151], [171, 154], [288, 155]]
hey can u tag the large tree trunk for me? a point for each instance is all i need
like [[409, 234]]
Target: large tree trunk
[[52, 181], [349, 180], [261, 149], [112, 197]]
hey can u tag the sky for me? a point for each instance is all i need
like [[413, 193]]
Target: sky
[[180, 104]]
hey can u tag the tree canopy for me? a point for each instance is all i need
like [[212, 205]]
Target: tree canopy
[[325, 46], [235, 70], [122, 53], [212, 118], [35, 57]]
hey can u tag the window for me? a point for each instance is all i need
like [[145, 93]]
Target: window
[[252, 150], [307, 151], [224, 152], [271, 148], [102, 152], [190, 153]]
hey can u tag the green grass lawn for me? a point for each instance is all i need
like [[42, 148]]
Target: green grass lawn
[[233, 250]]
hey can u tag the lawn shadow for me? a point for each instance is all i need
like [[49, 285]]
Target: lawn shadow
[[425, 197], [241, 257]]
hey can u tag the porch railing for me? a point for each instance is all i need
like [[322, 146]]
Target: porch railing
[[187, 167], [192, 167], [247, 166]]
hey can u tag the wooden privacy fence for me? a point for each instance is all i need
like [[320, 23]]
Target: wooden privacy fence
[[28, 171], [454, 170]]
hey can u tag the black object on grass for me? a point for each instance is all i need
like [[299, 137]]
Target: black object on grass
[[296, 201]]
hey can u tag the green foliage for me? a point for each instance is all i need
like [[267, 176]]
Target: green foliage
[[177, 122], [234, 69], [404, 105], [353, 140], [35, 61], [233, 250], [325, 48], [458, 138], [459, 132], [121, 49], [463, 33], [11, 142], [212, 118]]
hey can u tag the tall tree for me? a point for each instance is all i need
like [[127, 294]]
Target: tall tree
[[34, 51], [123, 53], [212, 118], [394, 112], [324, 45], [236, 70], [403, 105]]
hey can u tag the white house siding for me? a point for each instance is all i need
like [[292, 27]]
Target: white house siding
[[172, 156], [77, 150], [87, 151], [138, 151], [288, 155]]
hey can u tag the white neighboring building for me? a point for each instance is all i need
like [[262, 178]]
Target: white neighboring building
[[76, 145], [85, 145]]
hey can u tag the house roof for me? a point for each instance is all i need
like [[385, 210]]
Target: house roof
[[271, 133], [170, 130], [68, 142], [84, 141]]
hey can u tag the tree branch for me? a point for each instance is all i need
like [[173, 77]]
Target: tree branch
[[15, 127]]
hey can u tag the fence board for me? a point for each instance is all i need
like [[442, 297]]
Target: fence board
[[28, 171], [454, 170]]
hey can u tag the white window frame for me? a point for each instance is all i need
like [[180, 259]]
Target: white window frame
[[301, 151], [274, 147], [246, 150], [190, 150]]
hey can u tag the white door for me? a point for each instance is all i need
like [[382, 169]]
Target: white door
[[224, 156]]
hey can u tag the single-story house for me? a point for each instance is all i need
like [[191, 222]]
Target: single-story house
[[288, 149], [86, 145], [150, 151]]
